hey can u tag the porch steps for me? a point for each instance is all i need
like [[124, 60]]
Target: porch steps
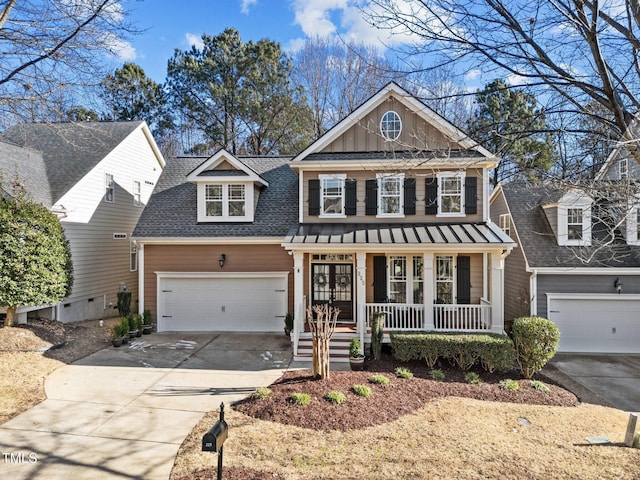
[[338, 347]]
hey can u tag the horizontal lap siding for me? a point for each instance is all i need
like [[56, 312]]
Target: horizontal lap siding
[[582, 284], [204, 258]]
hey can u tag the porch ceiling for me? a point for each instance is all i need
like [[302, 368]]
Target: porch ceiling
[[488, 234]]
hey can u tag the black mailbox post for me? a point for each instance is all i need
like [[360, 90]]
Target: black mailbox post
[[212, 440]]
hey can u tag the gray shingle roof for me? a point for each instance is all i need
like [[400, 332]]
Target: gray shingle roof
[[397, 155], [172, 209], [26, 167], [69, 150], [539, 243]]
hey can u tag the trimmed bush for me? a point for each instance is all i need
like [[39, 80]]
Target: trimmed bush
[[362, 391], [335, 397], [262, 392], [508, 384], [402, 372], [538, 385], [492, 351], [379, 379], [473, 378], [437, 375], [301, 399], [535, 341]]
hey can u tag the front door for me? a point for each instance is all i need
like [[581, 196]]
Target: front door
[[332, 283]]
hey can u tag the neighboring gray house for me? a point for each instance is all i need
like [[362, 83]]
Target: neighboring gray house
[[568, 268], [96, 177]]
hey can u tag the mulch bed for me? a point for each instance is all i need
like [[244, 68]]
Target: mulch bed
[[400, 397]]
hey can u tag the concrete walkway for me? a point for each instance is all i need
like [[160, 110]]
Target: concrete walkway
[[123, 413]]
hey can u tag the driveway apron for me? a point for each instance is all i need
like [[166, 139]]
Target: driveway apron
[[123, 413]]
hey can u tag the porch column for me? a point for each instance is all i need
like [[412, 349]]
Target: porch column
[[497, 293], [361, 293], [427, 287], [298, 295]]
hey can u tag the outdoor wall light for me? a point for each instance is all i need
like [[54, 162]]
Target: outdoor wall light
[[222, 259], [617, 284]]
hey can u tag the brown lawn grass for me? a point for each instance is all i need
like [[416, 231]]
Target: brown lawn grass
[[450, 438]]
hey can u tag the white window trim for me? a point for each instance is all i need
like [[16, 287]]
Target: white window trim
[[379, 178], [505, 223], [563, 230], [137, 193], [623, 168], [248, 199], [454, 285], [441, 176], [408, 280], [382, 132], [338, 176], [133, 256], [109, 184], [632, 223]]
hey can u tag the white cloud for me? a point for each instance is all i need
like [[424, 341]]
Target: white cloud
[[245, 4], [314, 16], [473, 74], [194, 40], [294, 45], [121, 49]]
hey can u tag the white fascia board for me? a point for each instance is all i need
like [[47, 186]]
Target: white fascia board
[[208, 240], [498, 191], [156, 151], [217, 158], [585, 271], [391, 164]]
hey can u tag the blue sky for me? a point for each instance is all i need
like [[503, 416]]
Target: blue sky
[[169, 25]]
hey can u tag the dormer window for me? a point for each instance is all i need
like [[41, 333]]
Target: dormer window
[[225, 202], [390, 125], [574, 219]]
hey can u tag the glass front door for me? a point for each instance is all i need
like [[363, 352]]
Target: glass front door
[[332, 283]]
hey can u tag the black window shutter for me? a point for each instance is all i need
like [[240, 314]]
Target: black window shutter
[[379, 279], [410, 196], [431, 196], [350, 188], [471, 195], [371, 198], [464, 280], [314, 197]]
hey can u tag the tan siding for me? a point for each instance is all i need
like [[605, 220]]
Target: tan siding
[[361, 176], [365, 134], [476, 278], [204, 258]]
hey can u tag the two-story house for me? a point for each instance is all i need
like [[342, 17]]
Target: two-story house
[[387, 211], [97, 177]]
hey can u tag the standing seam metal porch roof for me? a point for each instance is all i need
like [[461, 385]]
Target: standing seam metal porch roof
[[399, 234]]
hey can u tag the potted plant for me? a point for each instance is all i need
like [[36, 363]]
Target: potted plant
[[356, 357], [124, 329], [133, 330], [116, 332], [138, 320], [288, 324], [147, 327]]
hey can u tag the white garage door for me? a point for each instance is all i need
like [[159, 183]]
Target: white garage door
[[596, 323], [232, 303]]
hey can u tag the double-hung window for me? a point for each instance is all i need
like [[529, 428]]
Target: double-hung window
[[450, 194], [332, 195], [137, 193], [109, 188], [390, 195], [574, 224], [406, 279], [225, 201], [623, 169], [444, 279]]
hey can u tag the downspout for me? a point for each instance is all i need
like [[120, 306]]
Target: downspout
[[533, 293]]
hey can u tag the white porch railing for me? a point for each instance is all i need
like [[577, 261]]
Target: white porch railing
[[448, 318]]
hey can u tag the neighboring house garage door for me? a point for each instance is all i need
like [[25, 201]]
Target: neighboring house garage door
[[596, 323], [236, 302]]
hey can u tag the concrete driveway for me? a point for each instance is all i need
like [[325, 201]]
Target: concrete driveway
[[612, 380], [122, 413]]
